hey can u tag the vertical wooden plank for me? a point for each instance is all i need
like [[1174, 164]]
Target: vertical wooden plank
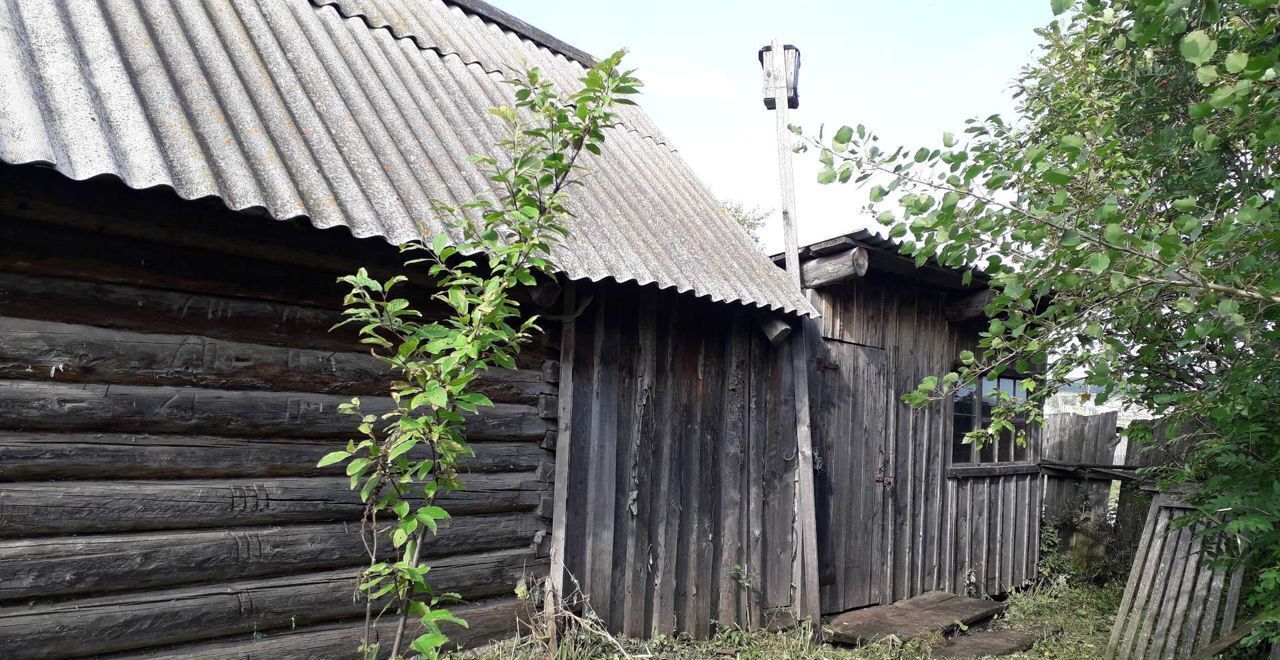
[[1232, 604], [689, 411], [1177, 631], [1165, 605], [756, 442], [1143, 590], [564, 443], [875, 432], [732, 549], [779, 479], [1129, 602], [806, 572], [626, 423], [602, 483], [711, 432], [668, 489], [641, 478]]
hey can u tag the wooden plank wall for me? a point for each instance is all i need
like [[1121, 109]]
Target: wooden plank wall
[[680, 482], [162, 407], [973, 534], [1174, 603], [1084, 440]]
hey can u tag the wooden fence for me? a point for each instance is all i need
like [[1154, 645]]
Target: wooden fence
[[1174, 604], [1079, 452]]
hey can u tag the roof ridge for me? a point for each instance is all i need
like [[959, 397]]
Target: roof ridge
[[515, 24]]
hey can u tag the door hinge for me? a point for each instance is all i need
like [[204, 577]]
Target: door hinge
[[823, 363], [884, 479]]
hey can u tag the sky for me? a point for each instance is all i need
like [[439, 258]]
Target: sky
[[909, 70]]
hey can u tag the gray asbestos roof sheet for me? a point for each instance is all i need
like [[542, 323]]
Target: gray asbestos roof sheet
[[347, 112]]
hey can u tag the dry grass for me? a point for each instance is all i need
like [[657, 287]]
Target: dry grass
[[1076, 621]]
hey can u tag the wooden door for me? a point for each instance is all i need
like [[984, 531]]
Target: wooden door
[[849, 399]]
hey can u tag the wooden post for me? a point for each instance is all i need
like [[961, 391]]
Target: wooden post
[[805, 560], [564, 441], [776, 81]]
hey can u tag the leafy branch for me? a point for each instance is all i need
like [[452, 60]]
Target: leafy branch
[[407, 459]]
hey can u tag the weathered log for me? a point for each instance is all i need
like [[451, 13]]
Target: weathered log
[[102, 563], [966, 305], [834, 268], [29, 248], [26, 456], [156, 310], [79, 507], [42, 350], [135, 409], [80, 628], [487, 621]]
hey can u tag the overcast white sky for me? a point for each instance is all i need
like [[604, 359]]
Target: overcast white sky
[[908, 69]]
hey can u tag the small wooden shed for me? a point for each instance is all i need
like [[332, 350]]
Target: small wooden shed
[[903, 506]]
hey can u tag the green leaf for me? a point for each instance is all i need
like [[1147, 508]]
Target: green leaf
[[1060, 6], [948, 139], [1197, 47], [1207, 74], [1099, 262], [333, 457], [398, 537], [844, 135], [1057, 176], [1236, 62], [401, 508]]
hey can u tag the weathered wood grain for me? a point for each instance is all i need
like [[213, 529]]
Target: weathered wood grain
[[62, 352], [26, 405], [487, 620], [79, 507], [131, 621], [34, 456], [833, 268], [94, 564]]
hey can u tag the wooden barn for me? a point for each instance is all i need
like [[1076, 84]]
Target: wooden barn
[[180, 186]]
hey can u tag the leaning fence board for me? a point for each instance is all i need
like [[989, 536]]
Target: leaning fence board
[[79, 507], [136, 620], [101, 563], [1175, 601]]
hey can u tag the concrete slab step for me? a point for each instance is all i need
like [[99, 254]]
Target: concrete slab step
[[927, 613], [982, 643]]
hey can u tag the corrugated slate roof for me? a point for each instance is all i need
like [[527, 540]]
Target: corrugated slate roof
[[347, 112]]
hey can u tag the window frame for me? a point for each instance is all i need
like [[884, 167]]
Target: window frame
[[992, 459]]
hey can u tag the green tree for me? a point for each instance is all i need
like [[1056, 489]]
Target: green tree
[[751, 218], [406, 459], [1128, 219]]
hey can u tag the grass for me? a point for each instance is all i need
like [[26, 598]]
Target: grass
[[1075, 619]]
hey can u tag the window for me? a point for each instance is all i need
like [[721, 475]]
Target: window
[[972, 410]]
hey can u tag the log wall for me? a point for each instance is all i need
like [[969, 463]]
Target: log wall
[[168, 380], [679, 468], [969, 532]]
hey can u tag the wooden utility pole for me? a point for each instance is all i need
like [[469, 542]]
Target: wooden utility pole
[[776, 81], [804, 565]]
